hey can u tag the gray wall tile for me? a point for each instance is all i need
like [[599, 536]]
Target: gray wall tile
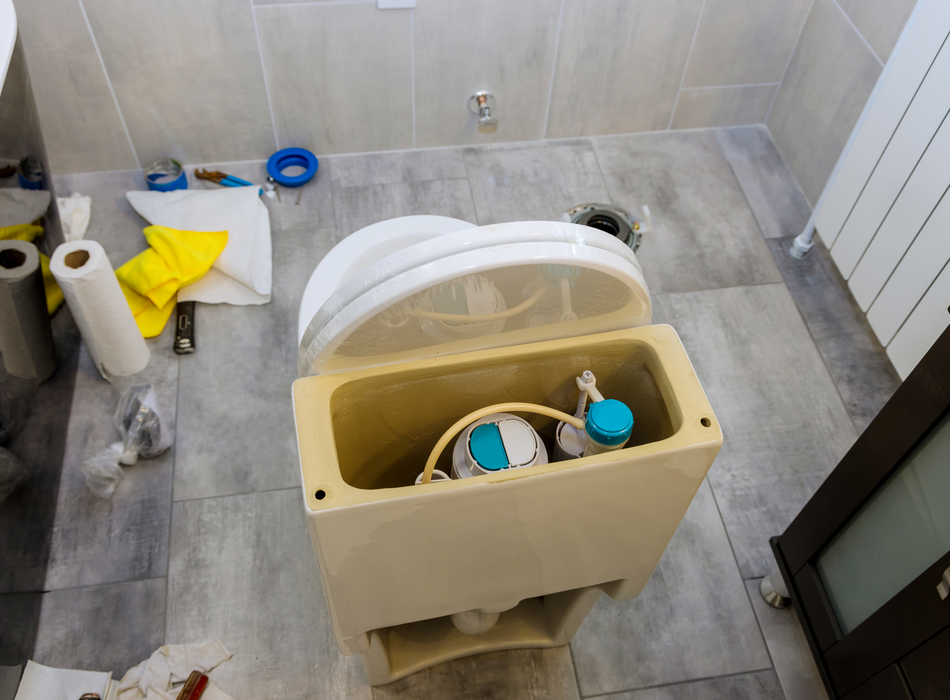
[[526, 674], [81, 125], [504, 47], [880, 21], [533, 183], [769, 186], [619, 65], [744, 41], [704, 234], [785, 425], [692, 620], [724, 106], [242, 570], [788, 648], [762, 685], [188, 78], [339, 76], [78, 627], [829, 79]]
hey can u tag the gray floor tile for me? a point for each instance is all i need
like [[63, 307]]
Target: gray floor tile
[[404, 166], [769, 186], [126, 537], [762, 685], [357, 207], [102, 628], [114, 222], [527, 674], [361, 206], [19, 620], [27, 515], [236, 431], [705, 236], [242, 569], [858, 364], [692, 620], [788, 648], [534, 182], [784, 424], [439, 197]]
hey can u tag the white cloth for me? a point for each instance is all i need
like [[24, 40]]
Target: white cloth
[[242, 273], [75, 212], [44, 683], [171, 665], [22, 206]]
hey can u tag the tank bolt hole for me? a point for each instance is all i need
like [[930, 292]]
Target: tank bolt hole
[[321, 494], [704, 421]]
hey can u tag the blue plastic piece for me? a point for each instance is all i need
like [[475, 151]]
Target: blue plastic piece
[[609, 422], [158, 172], [487, 447], [287, 158]]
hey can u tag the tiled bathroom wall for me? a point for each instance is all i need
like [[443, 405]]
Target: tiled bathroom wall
[[120, 83], [842, 50]]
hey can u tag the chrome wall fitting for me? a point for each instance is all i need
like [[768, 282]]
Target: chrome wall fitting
[[482, 103], [773, 591]]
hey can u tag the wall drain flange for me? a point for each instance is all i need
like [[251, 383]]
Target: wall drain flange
[[611, 219]]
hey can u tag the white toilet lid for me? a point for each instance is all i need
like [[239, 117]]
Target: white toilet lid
[[536, 280]]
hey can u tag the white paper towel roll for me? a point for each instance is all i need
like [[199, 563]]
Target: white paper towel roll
[[99, 307], [25, 338]]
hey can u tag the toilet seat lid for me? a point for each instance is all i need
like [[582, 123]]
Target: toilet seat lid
[[485, 287]]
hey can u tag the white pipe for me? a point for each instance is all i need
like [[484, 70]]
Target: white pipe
[[804, 241]]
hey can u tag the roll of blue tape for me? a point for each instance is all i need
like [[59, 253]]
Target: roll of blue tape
[[165, 175], [288, 158], [30, 172]]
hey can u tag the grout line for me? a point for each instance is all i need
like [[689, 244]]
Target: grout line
[[412, 70], [689, 55], [855, 28], [600, 169], [758, 622], [171, 496], [791, 55], [557, 42], [260, 52], [674, 684], [577, 680], [91, 585], [737, 85], [233, 495], [105, 72], [318, 3], [781, 155]]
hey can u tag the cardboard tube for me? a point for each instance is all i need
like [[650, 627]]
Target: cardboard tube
[[26, 341]]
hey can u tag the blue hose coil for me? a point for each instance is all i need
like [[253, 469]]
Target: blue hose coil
[[287, 158]]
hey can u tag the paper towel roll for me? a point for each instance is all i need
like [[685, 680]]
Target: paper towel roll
[[26, 341], [99, 307]]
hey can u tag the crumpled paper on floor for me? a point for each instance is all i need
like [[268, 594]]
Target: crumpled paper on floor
[[171, 665]]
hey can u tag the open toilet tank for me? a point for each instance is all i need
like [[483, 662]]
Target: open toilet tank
[[386, 369]]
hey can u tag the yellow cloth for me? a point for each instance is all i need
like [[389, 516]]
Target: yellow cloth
[[20, 232], [27, 232], [151, 280]]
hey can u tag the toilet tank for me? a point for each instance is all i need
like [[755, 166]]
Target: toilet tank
[[392, 554]]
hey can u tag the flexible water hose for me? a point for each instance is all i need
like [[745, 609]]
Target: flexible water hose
[[487, 411], [473, 318]]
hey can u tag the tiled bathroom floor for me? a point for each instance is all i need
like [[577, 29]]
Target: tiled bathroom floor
[[209, 540]]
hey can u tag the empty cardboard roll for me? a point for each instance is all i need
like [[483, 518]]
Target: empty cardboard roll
[[26, 341], [100, 309]]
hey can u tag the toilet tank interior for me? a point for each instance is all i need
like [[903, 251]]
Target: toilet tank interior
[[384, 426]]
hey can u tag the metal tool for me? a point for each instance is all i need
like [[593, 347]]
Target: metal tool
[[223, 179], [276, 188], [185, 329]]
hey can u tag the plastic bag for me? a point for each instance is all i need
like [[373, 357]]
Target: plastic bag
[[12, 473], [141, 425], [102, 471]]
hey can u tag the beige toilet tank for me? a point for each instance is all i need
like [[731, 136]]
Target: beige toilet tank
[[537, 544]]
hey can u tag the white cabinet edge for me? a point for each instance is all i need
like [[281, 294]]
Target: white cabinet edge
[[7, 36]]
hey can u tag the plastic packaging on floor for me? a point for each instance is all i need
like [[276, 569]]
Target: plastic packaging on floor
[[12, 473], [75, 212], [44, 683], [144, 433], [170, 666]]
